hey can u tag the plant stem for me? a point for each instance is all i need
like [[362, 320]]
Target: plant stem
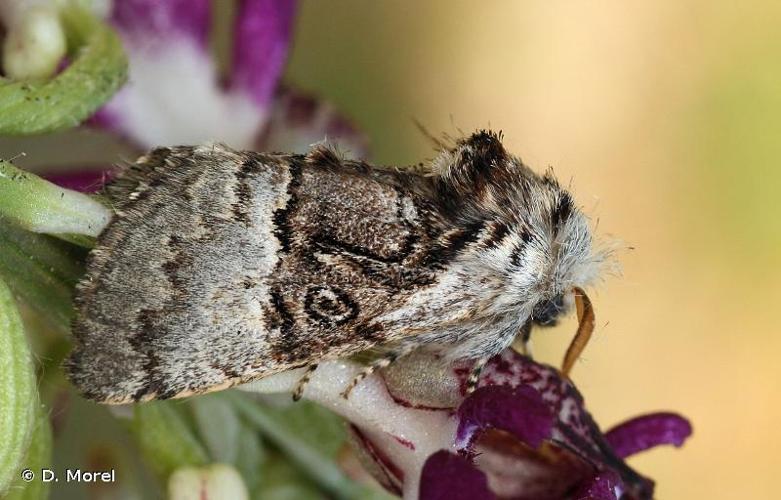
[[39, 455], [97, 70], [40, 206], [18, 396]]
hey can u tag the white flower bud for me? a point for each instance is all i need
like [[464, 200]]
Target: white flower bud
[[213, 482], [34, 44]]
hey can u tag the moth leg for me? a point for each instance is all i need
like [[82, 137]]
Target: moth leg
[[474, 375], [382, 362], [301, 385]]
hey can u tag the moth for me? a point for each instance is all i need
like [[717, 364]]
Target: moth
[[224, 266]]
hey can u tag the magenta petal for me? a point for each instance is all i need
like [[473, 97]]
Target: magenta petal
[[603, 486], [642, 433], [518, 410], [574, 429], [88, 181], [447, 476], [149, 22], [263, 29]]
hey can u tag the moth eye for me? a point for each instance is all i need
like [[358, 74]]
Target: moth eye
[[329, 305], [546, 312]]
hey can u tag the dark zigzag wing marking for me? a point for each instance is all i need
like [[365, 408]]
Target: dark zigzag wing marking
[[154, 336]]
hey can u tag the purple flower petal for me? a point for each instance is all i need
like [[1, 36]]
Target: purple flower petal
[[604, 486], [86, 181], [262, 33], [642, 433], [574, 429], [298, 120], [447, 476], [519, 410], [149, 22]]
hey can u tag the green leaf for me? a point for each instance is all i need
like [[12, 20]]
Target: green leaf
[[218, 425], [40, 206], [311, 457], [41, 271], [18, 396], [251, 456], [39, 455], [98, 69], [322, 429], [166, 439], [282, 481]]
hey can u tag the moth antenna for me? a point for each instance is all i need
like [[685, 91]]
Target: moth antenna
[[458, 129], [585, 328], [438, 144]]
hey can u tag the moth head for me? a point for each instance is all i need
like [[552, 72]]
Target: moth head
[[534, 238], [553, 254], [547, 311]]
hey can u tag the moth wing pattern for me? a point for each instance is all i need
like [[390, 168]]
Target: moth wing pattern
[[221, 267]]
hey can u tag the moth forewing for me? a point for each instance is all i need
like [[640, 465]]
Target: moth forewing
[[225, 266]]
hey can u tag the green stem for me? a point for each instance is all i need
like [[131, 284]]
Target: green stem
[[39, 456], [18, 396], [40, 206], [97, 70]]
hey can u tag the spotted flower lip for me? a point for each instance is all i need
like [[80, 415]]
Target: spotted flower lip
[[527, 430], [524, 432]]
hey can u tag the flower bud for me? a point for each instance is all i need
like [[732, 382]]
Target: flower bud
[[213, 482], [34, 44]]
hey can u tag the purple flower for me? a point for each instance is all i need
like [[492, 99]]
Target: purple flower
[[526, 428], [524, 433], [177, 95]]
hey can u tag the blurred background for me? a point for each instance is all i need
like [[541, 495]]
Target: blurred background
[[666, 119], [666, 116]]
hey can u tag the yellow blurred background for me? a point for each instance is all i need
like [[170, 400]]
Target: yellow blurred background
[[666, 116]]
